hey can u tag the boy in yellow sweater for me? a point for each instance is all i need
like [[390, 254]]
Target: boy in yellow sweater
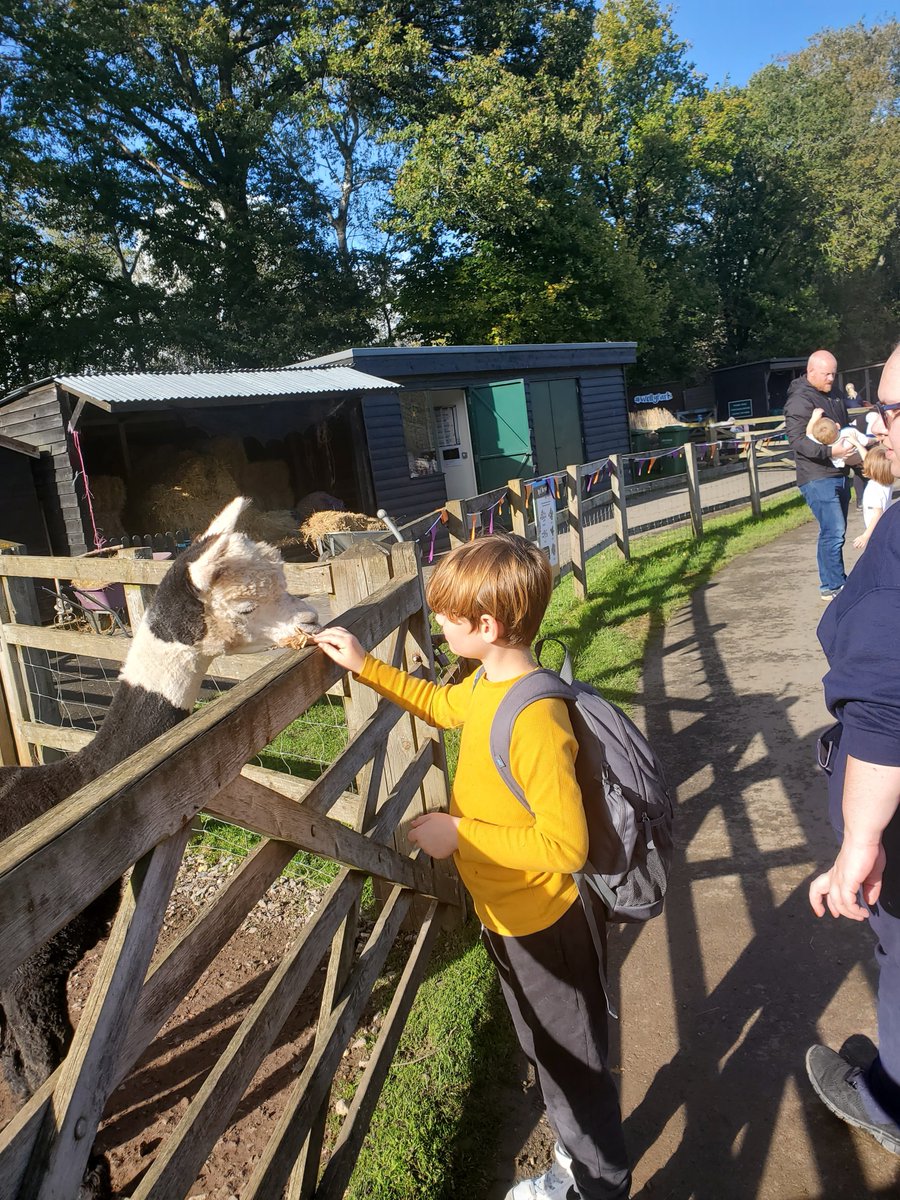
[[489, 597]]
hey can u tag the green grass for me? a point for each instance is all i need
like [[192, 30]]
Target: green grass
[[432, 1136]]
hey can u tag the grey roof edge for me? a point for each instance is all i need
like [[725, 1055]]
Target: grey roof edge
[[764, 362], [107, 384], [629, 350]]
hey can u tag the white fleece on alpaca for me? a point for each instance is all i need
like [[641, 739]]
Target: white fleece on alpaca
[[171, 669]]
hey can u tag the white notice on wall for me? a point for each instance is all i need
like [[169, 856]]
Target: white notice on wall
[[545, 514]]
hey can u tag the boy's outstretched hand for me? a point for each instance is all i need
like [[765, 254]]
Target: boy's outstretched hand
[[340, 644], [436, 833]]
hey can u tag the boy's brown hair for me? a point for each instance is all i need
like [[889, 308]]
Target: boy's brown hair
[[826, 431], [503, 576], [876, 465]]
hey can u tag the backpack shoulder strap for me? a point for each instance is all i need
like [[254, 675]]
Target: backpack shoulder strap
[[536, 685]]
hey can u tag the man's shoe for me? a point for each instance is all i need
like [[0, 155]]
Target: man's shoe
[[829, 593], [556, 1184], [837, 1084]]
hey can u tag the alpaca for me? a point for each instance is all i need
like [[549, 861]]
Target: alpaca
[[225, 594]]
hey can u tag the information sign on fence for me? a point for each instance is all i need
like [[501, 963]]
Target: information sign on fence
[[545, 517]]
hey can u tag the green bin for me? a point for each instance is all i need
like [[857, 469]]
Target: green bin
[[676, 435]]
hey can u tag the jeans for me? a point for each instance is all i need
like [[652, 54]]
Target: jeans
[[883, 1076], [829, 500]]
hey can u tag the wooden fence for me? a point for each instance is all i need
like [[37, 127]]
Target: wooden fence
[[138, 818], [611, 500]]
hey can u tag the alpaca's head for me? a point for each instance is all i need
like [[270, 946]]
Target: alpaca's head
[[226, 594]]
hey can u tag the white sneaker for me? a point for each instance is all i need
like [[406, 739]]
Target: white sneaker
[[556, 1184]]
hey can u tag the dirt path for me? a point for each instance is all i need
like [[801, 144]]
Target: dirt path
[[722, 996]]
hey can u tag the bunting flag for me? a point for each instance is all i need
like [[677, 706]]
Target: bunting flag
[[474, 518]]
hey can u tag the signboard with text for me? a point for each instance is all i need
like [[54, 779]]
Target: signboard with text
[[545, 518]]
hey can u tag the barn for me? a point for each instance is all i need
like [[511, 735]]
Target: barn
[[401, 428], [468, 418], [274, 435]]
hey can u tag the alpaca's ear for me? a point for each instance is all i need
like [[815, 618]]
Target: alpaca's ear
[[226, 521], [205, 570]]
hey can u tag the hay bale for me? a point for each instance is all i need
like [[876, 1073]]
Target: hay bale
[[277, 526], [186, 495], [315, 502], [268, 484], [108, 499], [315, 527], [648, 419], [229, 451]]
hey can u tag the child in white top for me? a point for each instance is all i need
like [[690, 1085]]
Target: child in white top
[[878, 494], [825, 432]]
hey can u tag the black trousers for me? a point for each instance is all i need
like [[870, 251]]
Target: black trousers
[[551, 984]]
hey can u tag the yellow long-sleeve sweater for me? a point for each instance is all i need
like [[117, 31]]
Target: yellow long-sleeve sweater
[[517, 867]]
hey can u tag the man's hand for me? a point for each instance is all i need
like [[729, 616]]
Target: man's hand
[[341, 646], [857, 867], [436, 833]]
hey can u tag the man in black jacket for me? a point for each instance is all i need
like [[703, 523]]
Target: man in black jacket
[[861, 1084], [825, 487]]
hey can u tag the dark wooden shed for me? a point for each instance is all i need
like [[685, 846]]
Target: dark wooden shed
[[307, 420], [757, 389], [468, 418]]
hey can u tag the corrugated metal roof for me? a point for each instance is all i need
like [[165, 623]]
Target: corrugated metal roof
[[116, 390]]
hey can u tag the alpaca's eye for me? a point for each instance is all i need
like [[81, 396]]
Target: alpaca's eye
[[245, 607]]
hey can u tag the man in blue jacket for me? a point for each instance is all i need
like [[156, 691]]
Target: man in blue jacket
[[860, 634], [825, 487]]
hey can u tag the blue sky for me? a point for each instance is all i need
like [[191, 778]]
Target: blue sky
[[737, 37]]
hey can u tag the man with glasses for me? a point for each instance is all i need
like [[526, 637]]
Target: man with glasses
[[860, 634], [825, 487]]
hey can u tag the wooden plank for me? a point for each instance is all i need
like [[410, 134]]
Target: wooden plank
[[314, 1084], [300, 578], [419, 653], [138, 597], [620, 509], [693, 485], [182, 1155], [15, 686], [753, 478], [167, 983], [346, 1149], [88, 1074], [576, 530], [253, 806], [54, 867]]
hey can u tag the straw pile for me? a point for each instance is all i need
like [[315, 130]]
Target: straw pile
[[108, 499], [317, 524], [648, 419], [190, 488]]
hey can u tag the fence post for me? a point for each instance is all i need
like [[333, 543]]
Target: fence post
[[620, 507], [457, 522], [576, 532], [515, 490], [137, 595], [753, 475], [693, 483]]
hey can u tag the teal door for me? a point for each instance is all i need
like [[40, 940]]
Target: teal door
[[501, 440], [557, 424]]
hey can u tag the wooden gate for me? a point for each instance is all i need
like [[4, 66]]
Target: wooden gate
[[136, 821]]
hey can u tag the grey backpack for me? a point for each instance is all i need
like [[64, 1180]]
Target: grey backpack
[[626, 799]]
